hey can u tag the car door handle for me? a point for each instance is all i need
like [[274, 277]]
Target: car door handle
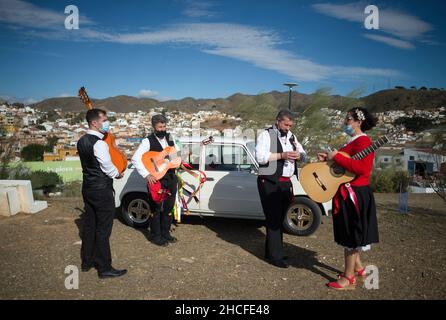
[[209, 179]]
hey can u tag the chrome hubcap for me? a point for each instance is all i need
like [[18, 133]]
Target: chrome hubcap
[[138, 210], [300, 217]]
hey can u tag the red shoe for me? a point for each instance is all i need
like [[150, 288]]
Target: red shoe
[[351, 283], [359, 273]]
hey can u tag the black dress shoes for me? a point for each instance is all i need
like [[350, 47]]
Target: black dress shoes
[[86, 268], [160, 242], [170, 239], [112, 273], [279, 264]]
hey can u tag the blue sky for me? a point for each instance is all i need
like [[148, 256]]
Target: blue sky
[[209, 49]]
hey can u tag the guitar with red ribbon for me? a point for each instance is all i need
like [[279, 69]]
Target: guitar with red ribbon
[[321, 180]]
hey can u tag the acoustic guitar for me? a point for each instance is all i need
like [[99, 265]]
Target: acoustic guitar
[[321, 180], [158, 163], [117, 156]]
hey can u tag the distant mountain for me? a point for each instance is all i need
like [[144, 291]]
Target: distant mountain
[[393, 99], [405, 99]]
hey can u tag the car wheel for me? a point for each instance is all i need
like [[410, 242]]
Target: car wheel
[[303, 217], [135, 210]]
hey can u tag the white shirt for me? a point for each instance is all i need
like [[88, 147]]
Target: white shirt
[[263, 150], [143, 148], [102, 154]]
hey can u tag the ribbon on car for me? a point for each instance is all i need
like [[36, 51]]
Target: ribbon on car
[[182, 190]]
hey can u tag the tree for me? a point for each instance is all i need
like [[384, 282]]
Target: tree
[[415, 124], [33, 152], [51, 142], [45, 180], [78, 118], [438, 182]]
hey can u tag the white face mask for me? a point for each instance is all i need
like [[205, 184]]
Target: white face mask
[[105, 127]]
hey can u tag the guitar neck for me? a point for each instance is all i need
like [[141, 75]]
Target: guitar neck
[[374, 146]]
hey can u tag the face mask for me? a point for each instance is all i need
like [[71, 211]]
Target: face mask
[[349, 130], [283, 133], [160, 134], [105, 127]]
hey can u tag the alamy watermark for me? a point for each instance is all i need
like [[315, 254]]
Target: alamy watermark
[[371, 22], [72, 21], [371, 282], [72, 280]]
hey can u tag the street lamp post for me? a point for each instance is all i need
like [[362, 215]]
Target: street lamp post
[[290, 86]]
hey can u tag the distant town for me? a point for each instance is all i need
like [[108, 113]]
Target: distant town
[[24, 125]]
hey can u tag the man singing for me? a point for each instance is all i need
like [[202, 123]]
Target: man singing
[[161, 206], [97, 190], [277, 151]]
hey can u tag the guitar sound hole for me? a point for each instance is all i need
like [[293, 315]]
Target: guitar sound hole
[[337, 170]]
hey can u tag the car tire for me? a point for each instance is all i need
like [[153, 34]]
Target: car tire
[[135, 210], [303, 217]]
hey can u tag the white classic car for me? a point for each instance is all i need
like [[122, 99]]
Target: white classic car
[[230, 190]]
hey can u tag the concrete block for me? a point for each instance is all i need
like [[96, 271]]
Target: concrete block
[[9, 201], [25, 197]]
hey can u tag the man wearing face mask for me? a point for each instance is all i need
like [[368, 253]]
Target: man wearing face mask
[[277, 151], [97, 191], [161, 220]]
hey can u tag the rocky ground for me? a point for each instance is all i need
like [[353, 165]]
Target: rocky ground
[[222, 258]]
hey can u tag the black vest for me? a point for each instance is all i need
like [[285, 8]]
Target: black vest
[[273, 170], [93, 176], [155, 145]]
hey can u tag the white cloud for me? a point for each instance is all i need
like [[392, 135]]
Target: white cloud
[[25, 14], [198, 9], [391, 21], [397, 43], [251, 44], [146, 93], [255, 45]]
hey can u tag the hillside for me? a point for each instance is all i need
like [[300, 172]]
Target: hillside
[[242, 105], [404, 99]]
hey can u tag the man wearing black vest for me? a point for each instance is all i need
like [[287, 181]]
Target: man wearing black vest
[[277, 151], [161, 219], [97, 191]]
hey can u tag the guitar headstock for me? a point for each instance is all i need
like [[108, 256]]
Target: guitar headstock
[[85, 99], [207, 141]]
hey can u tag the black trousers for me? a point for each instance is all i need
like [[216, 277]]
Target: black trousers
[[161, 220], [97, 228], [275, 198]]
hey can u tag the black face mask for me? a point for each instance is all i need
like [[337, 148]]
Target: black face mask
[[161, 134], [283, 133]]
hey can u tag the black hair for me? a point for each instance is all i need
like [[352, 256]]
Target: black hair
[[94, 114], [370, 119], [158, 118], [285, 114]]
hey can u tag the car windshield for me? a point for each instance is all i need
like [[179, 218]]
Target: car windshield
[[252, 148]]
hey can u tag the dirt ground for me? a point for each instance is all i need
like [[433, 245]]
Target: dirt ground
[[222, 258]]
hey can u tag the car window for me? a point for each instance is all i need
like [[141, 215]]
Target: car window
[[190, 153], [227, 158]]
